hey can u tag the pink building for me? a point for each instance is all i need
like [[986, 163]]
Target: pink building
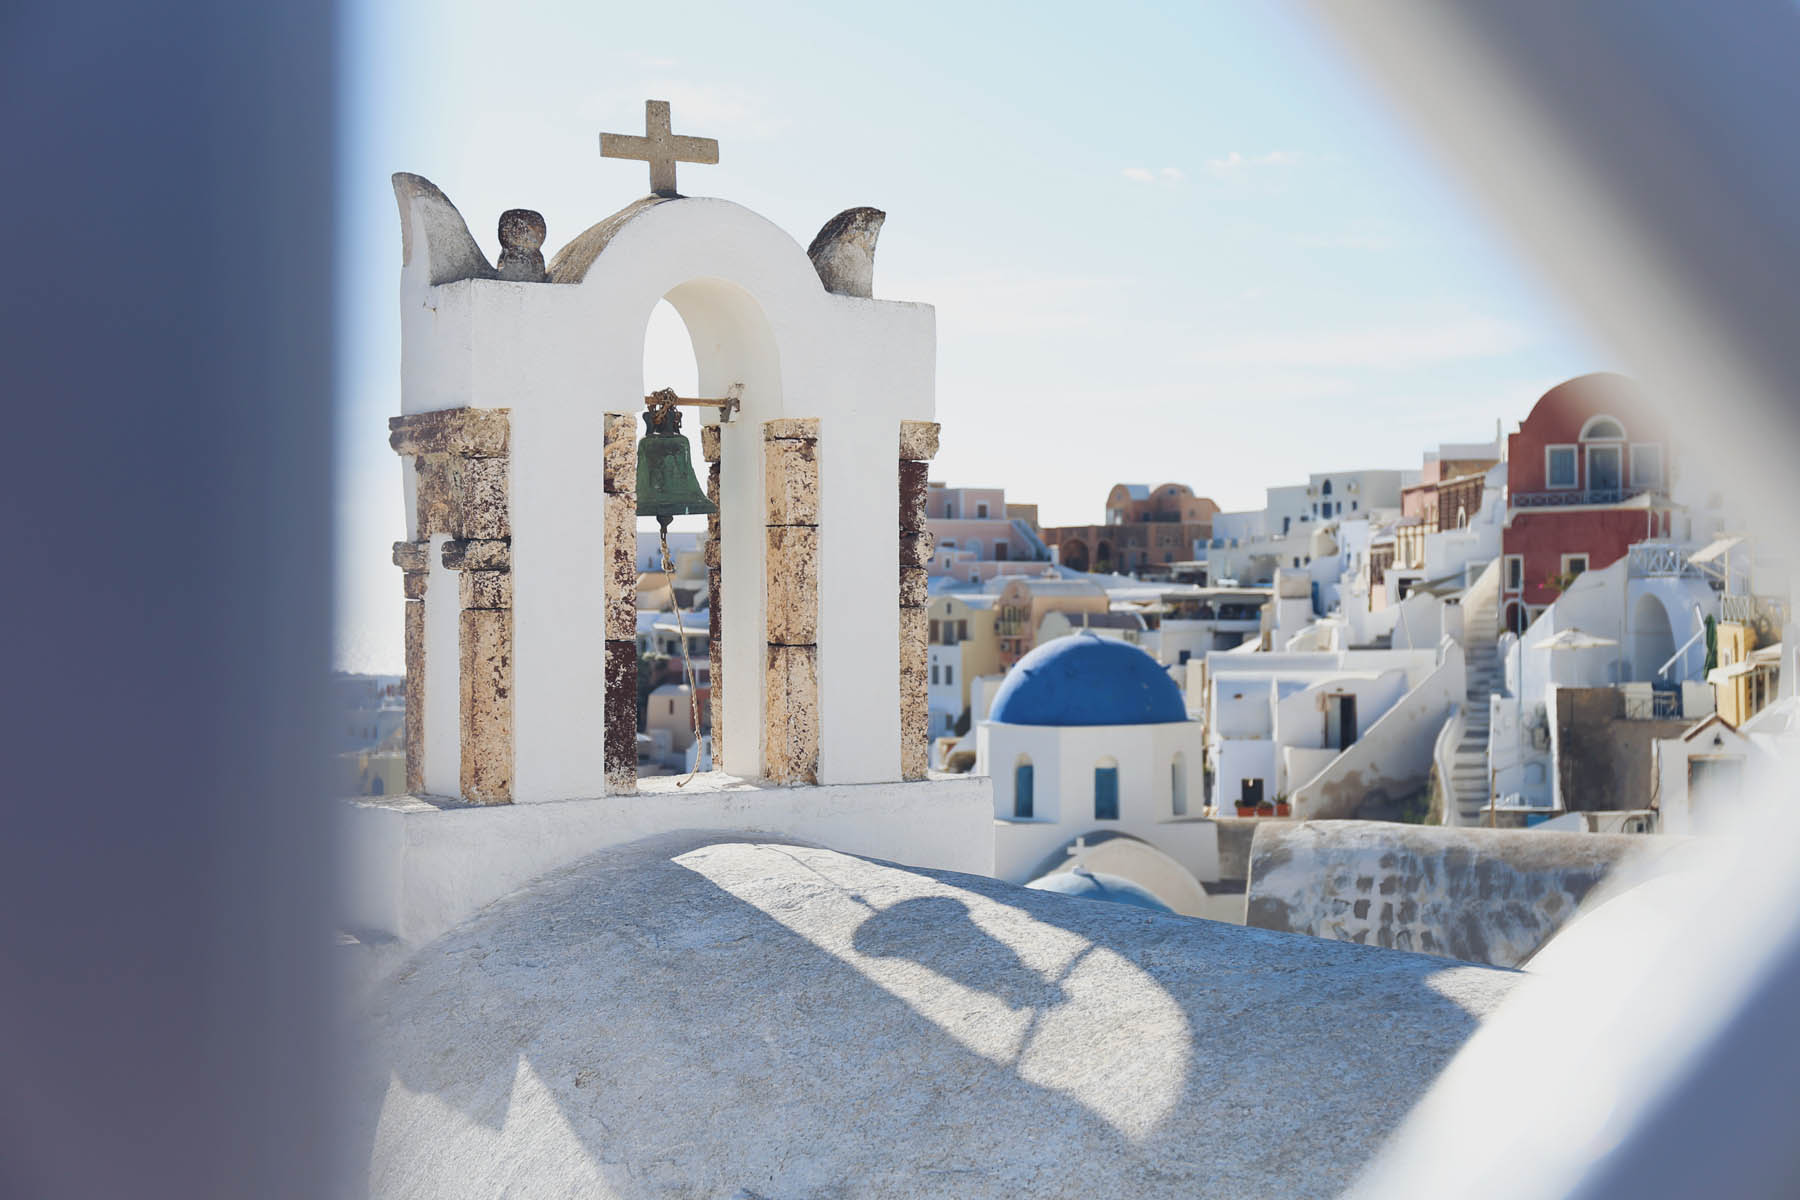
[[975, 539]]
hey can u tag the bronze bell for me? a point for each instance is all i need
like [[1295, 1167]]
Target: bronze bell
[[666, 485]]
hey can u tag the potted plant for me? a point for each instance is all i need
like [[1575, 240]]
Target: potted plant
[[1246, 809], [1282, 807], [1266, 809]]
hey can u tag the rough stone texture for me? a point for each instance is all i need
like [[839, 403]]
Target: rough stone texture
[[791, 714], [791, 472], [485, 589], [620, 455], [458, 432], [621, 566], [439, 502], [1480, 895], [412, 584], [711, 554], [412, 556], [1606, 761], [915, 587], [843, 253], [430, 224], [801, 428], [793, 585], [492, 555], [916, 548], [415, 696], [918, 440], [486, 706], [712, 493], [915, 712], [709, 443], [483, 497], [914, 480], [620, 750], [522, 246], [692, 1016], [715, 630]]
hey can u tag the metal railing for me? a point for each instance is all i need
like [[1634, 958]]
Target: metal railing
[[1745, 609], [1657, 560], [1563, 499]]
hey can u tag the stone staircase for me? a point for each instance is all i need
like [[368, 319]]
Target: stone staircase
[[1469, 783]]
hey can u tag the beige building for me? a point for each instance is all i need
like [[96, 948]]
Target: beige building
[[1024, 603], [963, 648]]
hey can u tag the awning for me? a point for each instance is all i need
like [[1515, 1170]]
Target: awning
[[1713, 550]]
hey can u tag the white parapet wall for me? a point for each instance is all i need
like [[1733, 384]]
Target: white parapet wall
[[416, 867]]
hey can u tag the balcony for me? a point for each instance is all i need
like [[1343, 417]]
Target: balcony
[[1659, 560], [1748, 610], [1573, 498]]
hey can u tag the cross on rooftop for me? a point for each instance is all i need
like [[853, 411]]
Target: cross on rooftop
[[1078, 852], [659, 147]]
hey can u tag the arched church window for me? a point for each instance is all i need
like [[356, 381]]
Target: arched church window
[[1106, 790], [1603, 429], [1178, 784], [1325, 488], [1022, 789]]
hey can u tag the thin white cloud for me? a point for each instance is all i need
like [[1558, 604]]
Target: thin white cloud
[[1139, 175], [1401, 347], [1173, 174], [1238, 164]]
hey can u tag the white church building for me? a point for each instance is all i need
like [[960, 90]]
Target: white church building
[[1090, 736]]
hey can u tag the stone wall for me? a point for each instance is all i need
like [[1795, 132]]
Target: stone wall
[[918, 446], [461, 468], [1480, 895], [791, 684], [620, 537], [1603, 760]]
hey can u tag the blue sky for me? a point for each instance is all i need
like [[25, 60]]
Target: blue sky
[[1189, 244]]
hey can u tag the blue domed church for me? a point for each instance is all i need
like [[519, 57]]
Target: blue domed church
[[1089, 737]]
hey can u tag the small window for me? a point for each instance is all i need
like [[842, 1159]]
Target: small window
[[1515, 572], [932, 635], [1602, 429], [1106, 790], [1022, 789], [999, 551], [1353, 506], [1559, 466], [981, 510], [1574, 564], [949, 673], [1325, 488], [1646, 465], [962, 631], [934, 673]]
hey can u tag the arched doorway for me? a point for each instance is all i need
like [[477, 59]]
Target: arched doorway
[[1074, 554], [1103, 557], [1515, 617], [1652, 637]]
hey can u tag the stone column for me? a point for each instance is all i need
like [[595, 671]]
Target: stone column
[[791, 696], [461, 465], [414, 561], [918, 445], [621, 604], [715, 621]]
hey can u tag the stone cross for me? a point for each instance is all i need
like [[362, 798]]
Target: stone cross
[[1077, 851], [659, 147]]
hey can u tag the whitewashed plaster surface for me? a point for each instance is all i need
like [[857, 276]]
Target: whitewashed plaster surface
[[560, 355], [686, 1017], [414, 869]]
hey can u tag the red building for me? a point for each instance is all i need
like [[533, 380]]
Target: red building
[[1587, 478]]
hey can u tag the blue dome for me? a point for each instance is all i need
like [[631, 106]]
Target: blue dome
[[1085, 885], [1085, 679]]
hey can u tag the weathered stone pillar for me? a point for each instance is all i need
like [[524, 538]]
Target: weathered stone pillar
[[414, 561], [715, 621], [461, 462], [918, 445], [621, 604], [791, 686]]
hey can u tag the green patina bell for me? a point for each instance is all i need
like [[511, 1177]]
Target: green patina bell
[[666, 485]]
